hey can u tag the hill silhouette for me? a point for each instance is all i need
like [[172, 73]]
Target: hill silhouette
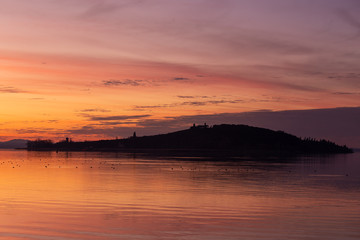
[[236, 138], [15, 143]]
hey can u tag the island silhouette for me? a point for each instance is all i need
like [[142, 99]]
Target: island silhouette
[[237, 139]]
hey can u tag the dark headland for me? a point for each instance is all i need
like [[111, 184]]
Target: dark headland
[[237, 139]]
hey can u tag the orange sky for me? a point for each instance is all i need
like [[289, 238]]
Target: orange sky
[[67, 66]]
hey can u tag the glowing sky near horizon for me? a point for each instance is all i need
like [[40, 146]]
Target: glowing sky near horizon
[[87, 67]]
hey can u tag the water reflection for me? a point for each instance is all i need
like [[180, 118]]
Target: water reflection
[[49, 195]]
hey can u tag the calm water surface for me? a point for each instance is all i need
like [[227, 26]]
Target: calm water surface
[[49, 195]]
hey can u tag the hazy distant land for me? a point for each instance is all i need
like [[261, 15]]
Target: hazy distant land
[[15, 143], [238, 139]]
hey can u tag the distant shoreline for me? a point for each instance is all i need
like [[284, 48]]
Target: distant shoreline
[[219, 139]]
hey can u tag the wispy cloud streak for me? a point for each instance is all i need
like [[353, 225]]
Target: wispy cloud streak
[[126, 82], [117, 118], [11, 90]]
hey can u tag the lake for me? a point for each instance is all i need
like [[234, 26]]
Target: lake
[[88, 195]]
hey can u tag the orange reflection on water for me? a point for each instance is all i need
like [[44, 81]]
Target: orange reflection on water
[[107, 196]]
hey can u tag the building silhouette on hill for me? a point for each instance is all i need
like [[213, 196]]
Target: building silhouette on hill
[[199, 126]]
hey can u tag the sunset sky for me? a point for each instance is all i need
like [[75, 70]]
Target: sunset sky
[[90, 69]]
